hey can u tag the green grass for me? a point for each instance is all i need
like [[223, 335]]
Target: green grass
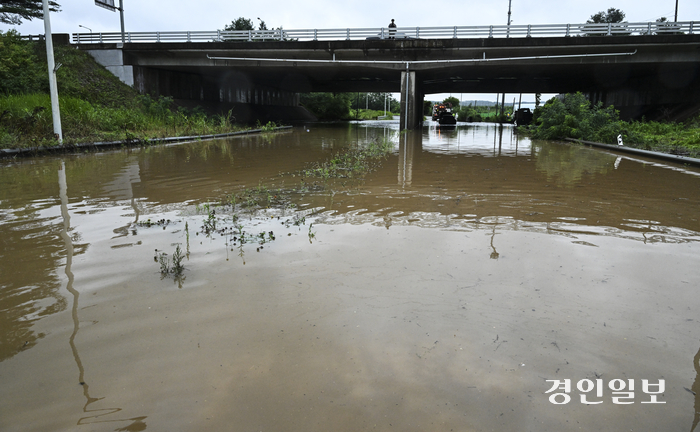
[[26, 121], [364, 114], [94, 104]]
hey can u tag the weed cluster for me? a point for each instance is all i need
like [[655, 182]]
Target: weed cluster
[[166, 266], [352, 163]]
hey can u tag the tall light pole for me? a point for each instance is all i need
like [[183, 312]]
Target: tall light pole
[[675, 19], [121, 18], [508, 32], [109, 5], [53, 88]]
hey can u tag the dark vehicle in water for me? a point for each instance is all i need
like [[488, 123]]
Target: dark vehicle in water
[[522, 116], [442, 113]]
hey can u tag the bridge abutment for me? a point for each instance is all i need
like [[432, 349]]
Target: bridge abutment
[[247, 101]]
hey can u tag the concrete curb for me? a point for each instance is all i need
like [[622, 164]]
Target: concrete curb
[[34, 151], [639, 152]]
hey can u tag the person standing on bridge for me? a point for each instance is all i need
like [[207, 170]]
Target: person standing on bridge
[[392, 29]]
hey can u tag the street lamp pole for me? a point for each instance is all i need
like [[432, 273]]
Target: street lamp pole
[[121, 17], [675, 19], [508, 32], [53, 87]]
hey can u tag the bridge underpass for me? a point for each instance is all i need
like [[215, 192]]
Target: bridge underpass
[[639, 75]]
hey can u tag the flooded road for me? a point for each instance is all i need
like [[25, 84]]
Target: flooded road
[[475, 281]]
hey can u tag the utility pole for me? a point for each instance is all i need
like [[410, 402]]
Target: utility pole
[[53, 88], [675, 19], [121, 17], [508, 33]]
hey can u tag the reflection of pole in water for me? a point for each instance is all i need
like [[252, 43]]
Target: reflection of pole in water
[[405, 162], [137, 422], [500, 138], [696, 390], [494, 254]]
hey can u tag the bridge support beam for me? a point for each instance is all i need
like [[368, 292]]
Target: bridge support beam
[[411, 102]]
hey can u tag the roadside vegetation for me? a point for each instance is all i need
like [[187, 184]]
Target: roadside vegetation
[[573, 116], [95, 105], [350, 106]]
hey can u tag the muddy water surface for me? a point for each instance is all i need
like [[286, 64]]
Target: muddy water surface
[[445, 291]]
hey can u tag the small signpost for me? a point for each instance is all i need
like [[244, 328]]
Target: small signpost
[[109, 5]]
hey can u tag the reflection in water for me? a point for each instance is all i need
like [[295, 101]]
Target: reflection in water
[[479, 179], [94, 414], [494, 254], [696, 391], [409, 145], [566, 165]]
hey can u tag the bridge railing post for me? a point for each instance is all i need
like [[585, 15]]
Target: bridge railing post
[[417, 32], [490, 31], [454, 33], [529, 30], [568, 30], [609, 29], [315, 34], [690, 31], [250, 35], [347, 34]]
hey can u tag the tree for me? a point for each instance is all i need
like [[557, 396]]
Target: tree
[[14, 11], [327, 106], [373, 101], [611, 16], [240, 24], [453, 101], [20, 69]]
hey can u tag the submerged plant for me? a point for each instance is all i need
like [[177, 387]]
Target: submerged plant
[[166, 268]]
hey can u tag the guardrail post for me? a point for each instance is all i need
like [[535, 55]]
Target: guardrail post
[[128, 37], [568, 30], [188, 37], [609, 29], [157, 36], [490, 31], [100, 37], [454, 33], [691, 27], [250, 35], [347, 34], [382, 33], [315, 34], [529, 29], [417, 32], [648, 28]]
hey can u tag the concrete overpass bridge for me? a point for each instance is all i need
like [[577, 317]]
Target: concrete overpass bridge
[[640, 68]]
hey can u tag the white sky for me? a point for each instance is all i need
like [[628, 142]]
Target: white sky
[[166, 15]]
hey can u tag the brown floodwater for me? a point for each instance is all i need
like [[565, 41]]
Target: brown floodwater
[[445, 291]]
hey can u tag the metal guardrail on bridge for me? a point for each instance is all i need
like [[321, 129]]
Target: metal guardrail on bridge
[[456, 32]]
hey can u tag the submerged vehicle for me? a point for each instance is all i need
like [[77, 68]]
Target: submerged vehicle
[[442, 113], [522, 116]]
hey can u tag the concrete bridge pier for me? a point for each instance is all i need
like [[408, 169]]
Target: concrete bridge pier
[[411, 102]]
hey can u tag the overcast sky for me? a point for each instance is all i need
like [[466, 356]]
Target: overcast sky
[[164, 15]]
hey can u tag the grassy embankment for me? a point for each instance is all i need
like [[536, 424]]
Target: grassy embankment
[[575, 117], [368, 114], [95, 105]]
